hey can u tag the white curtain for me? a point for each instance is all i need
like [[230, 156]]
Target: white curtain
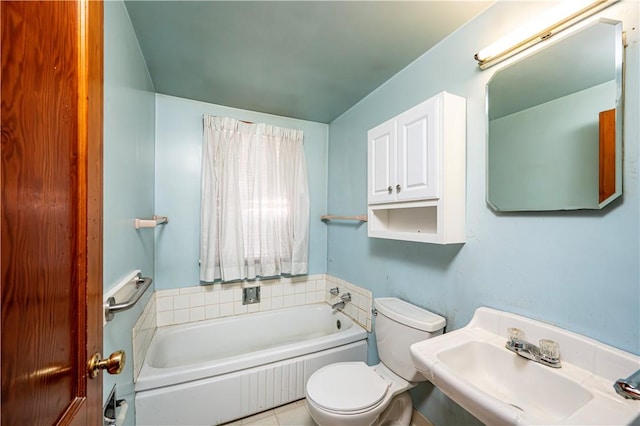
[[255, 201]]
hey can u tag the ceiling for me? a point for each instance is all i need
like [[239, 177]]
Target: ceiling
[[311, 60]]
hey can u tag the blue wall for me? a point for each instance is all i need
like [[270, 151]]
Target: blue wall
[[578, 270], [129, 119], [177, 185]]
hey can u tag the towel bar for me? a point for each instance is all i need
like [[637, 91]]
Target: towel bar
[[360, 217], [150, 223], [111, 307]]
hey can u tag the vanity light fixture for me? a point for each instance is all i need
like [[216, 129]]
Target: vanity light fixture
[[555, 20]]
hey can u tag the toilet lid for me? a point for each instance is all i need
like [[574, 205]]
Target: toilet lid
[[346, 387]]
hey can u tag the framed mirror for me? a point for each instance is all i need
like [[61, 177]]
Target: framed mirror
[[555, 124]]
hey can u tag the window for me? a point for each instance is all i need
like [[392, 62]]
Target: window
[[255, 201]]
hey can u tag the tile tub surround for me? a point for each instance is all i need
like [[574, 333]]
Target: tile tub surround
[[359, 309], [198, 303], [142, 334]]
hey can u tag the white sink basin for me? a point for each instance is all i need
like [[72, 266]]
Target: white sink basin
[[492, 370], [473, 368]]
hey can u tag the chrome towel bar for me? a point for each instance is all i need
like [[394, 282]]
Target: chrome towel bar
[[111, 307]]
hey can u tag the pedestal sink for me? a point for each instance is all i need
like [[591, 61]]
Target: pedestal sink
[[472, 366]]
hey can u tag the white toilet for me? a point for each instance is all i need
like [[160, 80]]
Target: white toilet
[[354, 394]]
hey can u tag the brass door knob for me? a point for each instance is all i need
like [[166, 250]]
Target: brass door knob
[[114, 364]]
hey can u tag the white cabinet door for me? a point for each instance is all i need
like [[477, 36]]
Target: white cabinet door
[[382, 163], [417, 151]]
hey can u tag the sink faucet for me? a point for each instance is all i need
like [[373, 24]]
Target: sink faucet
[[547, 354]]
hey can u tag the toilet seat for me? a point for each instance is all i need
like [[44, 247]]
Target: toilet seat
[[347, 388]]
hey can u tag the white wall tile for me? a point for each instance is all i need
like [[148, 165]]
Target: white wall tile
[[287, 289], [226, 295], [277, 302], [288, 300], [165, 318], [180, 316], [237, 294], [239, 308], [362, 316], [265, 291], [300, 299], [181, 302], [212, 311], [212, 298], [196, 299], [226, 309], [190, 290], [277, 290], [265, 304], [165, 303], [196, 314], [166, 293], [310, 286], [310, 297]]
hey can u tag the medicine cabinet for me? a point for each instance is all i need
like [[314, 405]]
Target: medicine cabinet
[[555, 124], [416, 173]]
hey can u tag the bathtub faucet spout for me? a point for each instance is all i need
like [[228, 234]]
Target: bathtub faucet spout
[[344, 299], [339, 306]]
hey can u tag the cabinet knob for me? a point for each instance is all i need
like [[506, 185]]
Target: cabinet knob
[[398, 188], [390, 189]]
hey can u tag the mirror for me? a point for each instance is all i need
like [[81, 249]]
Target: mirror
[[555, 124]]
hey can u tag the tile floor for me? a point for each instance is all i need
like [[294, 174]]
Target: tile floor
[[296, 414]]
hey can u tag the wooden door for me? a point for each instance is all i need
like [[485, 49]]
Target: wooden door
[[51, 211]]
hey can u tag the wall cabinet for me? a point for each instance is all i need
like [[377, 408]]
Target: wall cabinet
[[416, 173]]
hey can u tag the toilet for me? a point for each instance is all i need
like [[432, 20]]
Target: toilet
[[355, 394]]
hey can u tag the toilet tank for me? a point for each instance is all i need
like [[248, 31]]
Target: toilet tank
[[398, 325]]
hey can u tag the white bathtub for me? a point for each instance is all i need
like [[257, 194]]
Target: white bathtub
[[215, 371]]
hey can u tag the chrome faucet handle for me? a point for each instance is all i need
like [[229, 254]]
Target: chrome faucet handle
[[515, 334], [549, 349], [346, 297], [334, 291], [629, 388]]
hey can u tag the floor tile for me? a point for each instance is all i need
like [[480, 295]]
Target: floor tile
[[262, 419], [296, 416]]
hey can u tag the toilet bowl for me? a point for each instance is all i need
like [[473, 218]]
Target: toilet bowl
[[355, 394]]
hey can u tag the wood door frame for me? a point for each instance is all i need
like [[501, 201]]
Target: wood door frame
[[90, 204]]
